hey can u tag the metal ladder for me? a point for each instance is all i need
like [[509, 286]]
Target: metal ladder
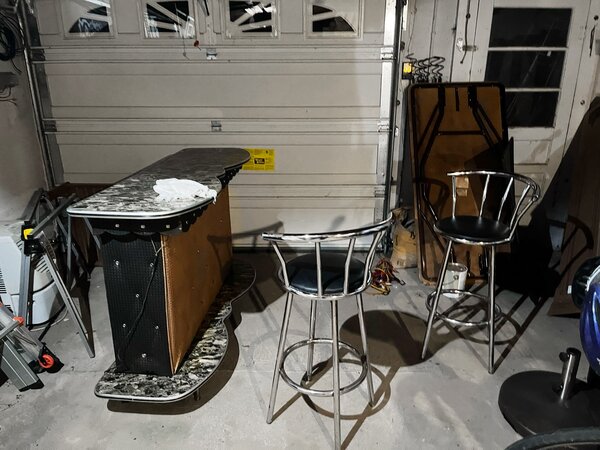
[[36, 245], [17, 348]]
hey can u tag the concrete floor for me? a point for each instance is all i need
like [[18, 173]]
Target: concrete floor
[[447, 401]]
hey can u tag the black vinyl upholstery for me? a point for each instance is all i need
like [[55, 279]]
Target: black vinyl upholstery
[[302, 273], [473, 228]]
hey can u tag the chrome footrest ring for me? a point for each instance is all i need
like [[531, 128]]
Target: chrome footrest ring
[[322, 392], [463, 323]]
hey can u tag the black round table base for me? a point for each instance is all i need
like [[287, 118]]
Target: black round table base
[[529, 402]]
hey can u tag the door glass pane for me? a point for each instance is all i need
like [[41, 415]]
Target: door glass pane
[[168, 19], [250, 16], [83, 18], [332, 24], [249, 12], [530, 27], [333, 18], [525, 68], [531, 109]]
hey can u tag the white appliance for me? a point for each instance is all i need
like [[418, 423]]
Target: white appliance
[[45, 293]]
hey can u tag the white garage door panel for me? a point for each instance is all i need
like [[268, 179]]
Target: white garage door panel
[[254, 179], [305, 204], [135, 40], [305, 179], [218, 139], [155, 91], [264, 52], [244, 69], [274, 191], [201, 112], [265, 127], [304, 215], [289, 159]]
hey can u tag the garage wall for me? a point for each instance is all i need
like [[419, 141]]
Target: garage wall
[[597, 87], [119, 103], [21, 170], [430, 30]]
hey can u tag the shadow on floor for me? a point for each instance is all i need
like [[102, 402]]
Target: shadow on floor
[[462, 310], [519, 327], [266, 289], [394, 341]]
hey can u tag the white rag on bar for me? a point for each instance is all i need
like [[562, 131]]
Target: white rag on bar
[[173, 188]]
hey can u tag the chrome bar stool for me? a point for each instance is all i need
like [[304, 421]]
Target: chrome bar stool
[[495, 224], [325, 276]]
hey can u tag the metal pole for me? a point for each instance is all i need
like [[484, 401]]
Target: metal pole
[[32, 206], [25, 286], [52, 216], [393, 107], [569, 373], [35, 96]]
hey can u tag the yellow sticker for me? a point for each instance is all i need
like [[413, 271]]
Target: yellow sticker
[[27, 232], [260, 159]]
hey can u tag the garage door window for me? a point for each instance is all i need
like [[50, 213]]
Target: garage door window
[[251, 19], [333, 18], [87, 19], [168, 19]]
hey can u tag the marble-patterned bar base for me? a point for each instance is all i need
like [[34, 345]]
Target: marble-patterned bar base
[[207, 352]]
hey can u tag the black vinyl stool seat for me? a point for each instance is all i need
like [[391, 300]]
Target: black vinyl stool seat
[[494, 225], [325, 276], [472, 228], [302, 273]]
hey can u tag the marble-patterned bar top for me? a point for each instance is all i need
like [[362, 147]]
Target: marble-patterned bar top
[[134, 197]]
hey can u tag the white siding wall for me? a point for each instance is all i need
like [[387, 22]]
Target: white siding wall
[[597, 86], [21, 170], [430, 30]]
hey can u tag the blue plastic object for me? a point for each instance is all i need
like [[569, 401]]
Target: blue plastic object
[[589, 327]]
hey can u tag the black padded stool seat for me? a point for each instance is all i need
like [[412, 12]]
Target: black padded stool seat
[[473, 228], [302, 273]]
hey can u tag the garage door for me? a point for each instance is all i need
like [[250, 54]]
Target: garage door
[[305, 85]]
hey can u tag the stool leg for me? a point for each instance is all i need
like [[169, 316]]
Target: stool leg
[[492, 310], [438, 292], [311, 336], [282, 336], [336, 374], [363, 336]]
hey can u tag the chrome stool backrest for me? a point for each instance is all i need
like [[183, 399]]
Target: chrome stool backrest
[[504, 214], [376, 231], [508, 182]]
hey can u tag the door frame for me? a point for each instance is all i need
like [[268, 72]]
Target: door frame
[[471, 64]]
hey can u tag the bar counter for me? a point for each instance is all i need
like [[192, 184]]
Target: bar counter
[[164, 261]]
